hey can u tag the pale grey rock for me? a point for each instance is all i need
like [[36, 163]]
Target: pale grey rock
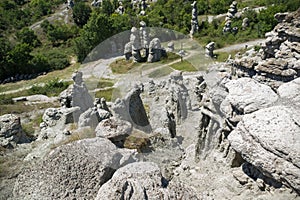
[[114, 129], [73, 171], [247, 95], [142, 180], [131, 109], [11, 132], [170, 107], [128, 50], [269, 139], [171, 47], [209, 49], [80, 96], [55, 120], [89, 118], [135, 44], [155, 51], [290, 92], [144, 35], [194, 20]]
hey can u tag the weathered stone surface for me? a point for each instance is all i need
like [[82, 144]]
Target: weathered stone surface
[[155, 51], [73, 171], [269, 139], [170, 104], [209, 49], [55, 120], [278, 59], [194, 20], [131, 109], [290, 92], [89, 118], [80, 96], [114, 129], [142, 180], [11, 131], [247, 95]]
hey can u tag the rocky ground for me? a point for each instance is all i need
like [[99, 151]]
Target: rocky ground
[[230, 133]]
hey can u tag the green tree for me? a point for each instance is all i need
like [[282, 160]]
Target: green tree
[[4, 48], [107, 7], [94, 32], [18, 59], [28, 36], [81, 13]]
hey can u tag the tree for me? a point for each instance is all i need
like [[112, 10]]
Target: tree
[[94, 32], [81, 13], [18, 59], [28, 36], [107, 7]]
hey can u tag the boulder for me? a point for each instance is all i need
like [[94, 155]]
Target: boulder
[[142, 180], [55, 120], [247, 95], [73, 171], [269, 139], [114, 129], [131, 109], [290, 91], [89, 118], [11, 131]]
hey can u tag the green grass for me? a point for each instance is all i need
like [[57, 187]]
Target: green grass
[[103, 83], [184, 66], [62, 74], [20, 107], [160, 72], [122, 66], [170, 57], [107, 94]]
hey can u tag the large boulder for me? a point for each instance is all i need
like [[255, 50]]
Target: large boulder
[[247, 95], [11, 131], [269, 139], [114, 129], [142, 180], [290, 91], [89, 118], [73, 171]]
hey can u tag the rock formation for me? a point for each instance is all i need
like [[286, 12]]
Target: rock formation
[[76, 170], [131, 109], [115, 130], [209, 49], [278, 59], [77, 95], [142, 180], [230, 14], [11, 132], [194, 20], [141, 48]]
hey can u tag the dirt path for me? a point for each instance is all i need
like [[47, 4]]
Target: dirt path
[[240, 46]]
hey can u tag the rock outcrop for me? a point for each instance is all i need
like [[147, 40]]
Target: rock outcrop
[[278, 60], [114, 129], [76, 170], [77, 95], [269, 139], [131, 109], [11, 132], [142, 180]]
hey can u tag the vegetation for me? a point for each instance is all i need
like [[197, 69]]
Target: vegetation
[[106, 93], [137, 140], [25, 50], [122, 66], [160, 72], [184, 66]]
